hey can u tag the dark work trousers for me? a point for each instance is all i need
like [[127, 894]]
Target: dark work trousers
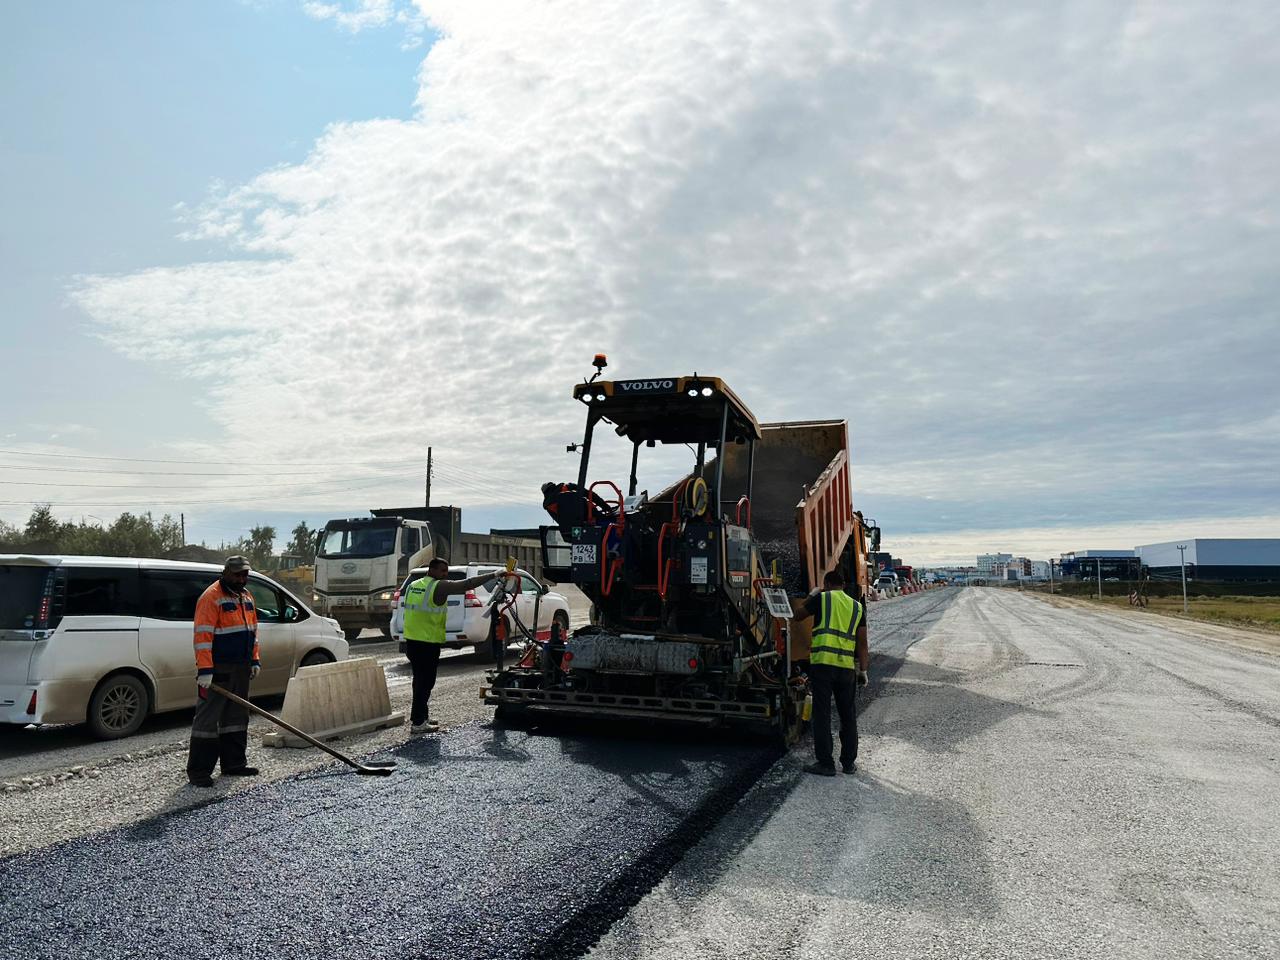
[[220, 730], [424, 658], [825, 681]]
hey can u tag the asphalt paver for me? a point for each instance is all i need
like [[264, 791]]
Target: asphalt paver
[[484, 843]]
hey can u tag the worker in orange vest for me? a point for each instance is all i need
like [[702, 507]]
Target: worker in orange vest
[[226, 646]]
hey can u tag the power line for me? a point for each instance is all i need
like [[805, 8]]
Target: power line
[[212, 463], [166, 486], [168, 473], [180, 503]]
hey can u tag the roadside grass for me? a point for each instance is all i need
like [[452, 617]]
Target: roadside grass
[[1256, 612]]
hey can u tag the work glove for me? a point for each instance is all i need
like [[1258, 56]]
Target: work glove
[[862, 678], [202, 685], [254, 671]]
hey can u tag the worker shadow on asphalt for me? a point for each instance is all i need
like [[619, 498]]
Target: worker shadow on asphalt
[[909, 704], [501, 746]]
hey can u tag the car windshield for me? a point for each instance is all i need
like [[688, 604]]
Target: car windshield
[[359, 539], [21, 590]]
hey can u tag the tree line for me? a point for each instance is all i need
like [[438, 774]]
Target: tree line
[[141, 535]]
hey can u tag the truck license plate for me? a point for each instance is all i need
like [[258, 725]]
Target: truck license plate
[[583, 553], [348, 601]]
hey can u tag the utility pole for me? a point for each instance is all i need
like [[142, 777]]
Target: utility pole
[[1051, 576], [1182, 557], [182, 518], [428, 503], [1098, 560]]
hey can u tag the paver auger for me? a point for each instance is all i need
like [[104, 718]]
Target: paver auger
[[683, 583]]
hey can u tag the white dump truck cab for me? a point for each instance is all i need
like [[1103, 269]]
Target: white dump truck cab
[[361, 562]]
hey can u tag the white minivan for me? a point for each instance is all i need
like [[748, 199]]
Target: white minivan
[[108, 640]]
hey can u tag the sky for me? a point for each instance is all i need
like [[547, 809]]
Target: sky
[[271, 251]]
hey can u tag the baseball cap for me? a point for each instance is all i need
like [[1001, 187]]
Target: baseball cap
[[236, 564]]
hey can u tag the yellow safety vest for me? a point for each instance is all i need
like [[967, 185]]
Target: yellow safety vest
[[835, 636], [424, 619]]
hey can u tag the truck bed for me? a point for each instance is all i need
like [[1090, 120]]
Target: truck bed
[[801, 507]]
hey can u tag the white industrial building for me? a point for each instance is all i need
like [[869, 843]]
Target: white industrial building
[[1241, 559]]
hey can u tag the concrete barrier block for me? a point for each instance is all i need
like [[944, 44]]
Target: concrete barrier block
[[331, 700]]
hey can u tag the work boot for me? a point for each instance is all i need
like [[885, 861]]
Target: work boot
[[821, 769], [426, 726], [241, 772], [850, 767], [200, 781]]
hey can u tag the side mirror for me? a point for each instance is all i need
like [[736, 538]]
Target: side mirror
[[290, 614]]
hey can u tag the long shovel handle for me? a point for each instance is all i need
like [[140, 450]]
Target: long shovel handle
[[371, 771]]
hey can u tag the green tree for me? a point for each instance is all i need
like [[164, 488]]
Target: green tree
[[304, 542], [42, 526], [259, 546]]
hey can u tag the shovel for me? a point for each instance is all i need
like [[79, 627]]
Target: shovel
[[380, 768]]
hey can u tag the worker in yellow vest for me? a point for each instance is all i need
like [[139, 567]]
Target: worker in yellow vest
[[837, 666], [425, 612]]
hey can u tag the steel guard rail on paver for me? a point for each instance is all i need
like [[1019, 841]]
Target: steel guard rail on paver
[[824, 518], [572, 701]]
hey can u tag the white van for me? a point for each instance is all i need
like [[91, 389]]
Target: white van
[[108, 640]]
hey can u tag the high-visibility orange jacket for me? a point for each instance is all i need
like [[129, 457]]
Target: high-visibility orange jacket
[[226, 628]]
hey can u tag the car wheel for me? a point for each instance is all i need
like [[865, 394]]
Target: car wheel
[[559, 627], [386, 629], [315, 657], [351, 634], [118, 707]]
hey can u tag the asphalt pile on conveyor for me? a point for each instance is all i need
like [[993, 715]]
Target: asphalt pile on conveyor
[[484, 844]]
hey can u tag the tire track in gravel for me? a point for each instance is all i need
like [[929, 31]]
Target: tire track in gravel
[[1097, 675], [1261, 716]]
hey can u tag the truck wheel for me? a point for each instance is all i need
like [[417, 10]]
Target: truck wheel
[[351, 634], [118, 707]]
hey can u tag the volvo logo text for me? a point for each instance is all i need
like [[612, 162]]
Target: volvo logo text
[[645, 386]]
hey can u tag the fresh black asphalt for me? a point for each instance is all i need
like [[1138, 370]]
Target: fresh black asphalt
[[485, 843]]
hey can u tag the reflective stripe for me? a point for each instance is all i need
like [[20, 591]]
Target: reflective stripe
[[238, 728], [204, 735], [204, 628], [207, 645], [238, 628], [834, 651]]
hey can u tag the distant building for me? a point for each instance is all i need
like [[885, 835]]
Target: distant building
[[987, 562], [1039, 569], [1233, 560]]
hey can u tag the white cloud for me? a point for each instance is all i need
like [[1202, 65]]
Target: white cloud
[[367, 14], [1024, 253]]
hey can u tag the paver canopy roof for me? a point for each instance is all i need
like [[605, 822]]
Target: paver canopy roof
[[669, 409]]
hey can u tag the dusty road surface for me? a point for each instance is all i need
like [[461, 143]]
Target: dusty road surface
[[1034, 781]]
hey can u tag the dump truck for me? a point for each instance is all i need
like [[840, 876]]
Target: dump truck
[[360, 562], [692, 588]]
